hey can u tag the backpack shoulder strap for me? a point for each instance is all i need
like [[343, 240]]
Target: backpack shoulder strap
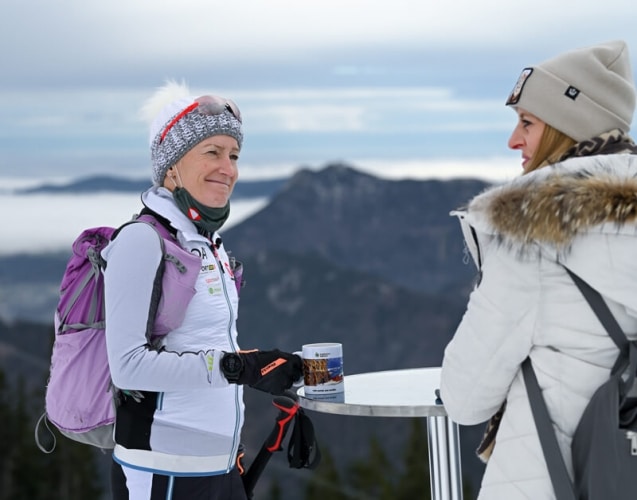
[[602, 311], [562, 485], [163, 234], [160, 223]]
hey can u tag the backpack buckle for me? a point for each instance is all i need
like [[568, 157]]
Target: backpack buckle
[[632, 435]]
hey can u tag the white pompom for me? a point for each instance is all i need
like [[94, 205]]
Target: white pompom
[[165, 103], [163, 96]]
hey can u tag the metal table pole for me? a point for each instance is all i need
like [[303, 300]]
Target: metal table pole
[[444, 459]]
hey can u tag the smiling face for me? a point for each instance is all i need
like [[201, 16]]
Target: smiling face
[[208, 171], [526, 135]]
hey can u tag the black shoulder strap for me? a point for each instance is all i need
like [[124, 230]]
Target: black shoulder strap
[[562, 485], [602, 311], [160, 219]]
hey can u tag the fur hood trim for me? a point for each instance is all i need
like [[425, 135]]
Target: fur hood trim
[[554, 204]]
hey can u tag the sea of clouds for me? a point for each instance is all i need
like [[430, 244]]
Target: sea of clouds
[[50, 222], [37, 223]]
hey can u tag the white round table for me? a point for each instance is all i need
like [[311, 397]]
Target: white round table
[[403, 393]]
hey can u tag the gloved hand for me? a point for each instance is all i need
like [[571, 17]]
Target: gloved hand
[[270, 371]]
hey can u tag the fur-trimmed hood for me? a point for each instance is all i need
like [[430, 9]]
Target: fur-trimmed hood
[[554, 204]]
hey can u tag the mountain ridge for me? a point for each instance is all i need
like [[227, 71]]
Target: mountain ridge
[[114, 184], [400, 230]]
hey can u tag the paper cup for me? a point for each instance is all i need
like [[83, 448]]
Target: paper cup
[[323, 369]]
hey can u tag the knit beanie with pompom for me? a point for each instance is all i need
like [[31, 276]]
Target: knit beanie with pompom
[[178, 123]]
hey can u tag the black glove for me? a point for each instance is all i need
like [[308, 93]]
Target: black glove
[[269, 371]]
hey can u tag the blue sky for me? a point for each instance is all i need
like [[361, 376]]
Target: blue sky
[[406, 88]]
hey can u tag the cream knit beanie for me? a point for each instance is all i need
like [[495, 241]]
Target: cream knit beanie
[[582, 93]]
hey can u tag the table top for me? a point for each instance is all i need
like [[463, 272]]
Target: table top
[[392, 393]]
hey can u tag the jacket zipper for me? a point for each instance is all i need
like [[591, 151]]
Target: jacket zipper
[[235, 441]]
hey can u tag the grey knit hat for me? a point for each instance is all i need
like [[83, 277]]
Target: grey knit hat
[[184, 123], [582, 93]]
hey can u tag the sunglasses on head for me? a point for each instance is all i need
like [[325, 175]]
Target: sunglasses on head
[[209, 105]]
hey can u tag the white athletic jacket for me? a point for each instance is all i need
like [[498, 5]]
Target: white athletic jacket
[[189, 419]]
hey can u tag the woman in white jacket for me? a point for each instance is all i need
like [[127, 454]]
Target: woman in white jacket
[[575, 204]]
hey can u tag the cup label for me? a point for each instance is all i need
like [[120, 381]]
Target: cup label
[[323, 369]]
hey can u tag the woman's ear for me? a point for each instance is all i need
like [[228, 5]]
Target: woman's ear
[[169, 179]]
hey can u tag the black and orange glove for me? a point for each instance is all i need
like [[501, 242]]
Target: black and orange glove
[[268, 371]]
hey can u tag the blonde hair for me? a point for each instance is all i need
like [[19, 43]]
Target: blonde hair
[[553, 145]]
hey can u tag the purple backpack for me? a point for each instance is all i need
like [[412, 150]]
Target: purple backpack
[[79, 394]]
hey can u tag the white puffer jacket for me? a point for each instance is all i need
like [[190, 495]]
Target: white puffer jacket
[[583, 213]]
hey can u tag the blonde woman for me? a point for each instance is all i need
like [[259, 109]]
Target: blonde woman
[[575, 204]]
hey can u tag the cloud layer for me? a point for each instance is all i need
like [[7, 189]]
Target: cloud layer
[[351, 80]]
